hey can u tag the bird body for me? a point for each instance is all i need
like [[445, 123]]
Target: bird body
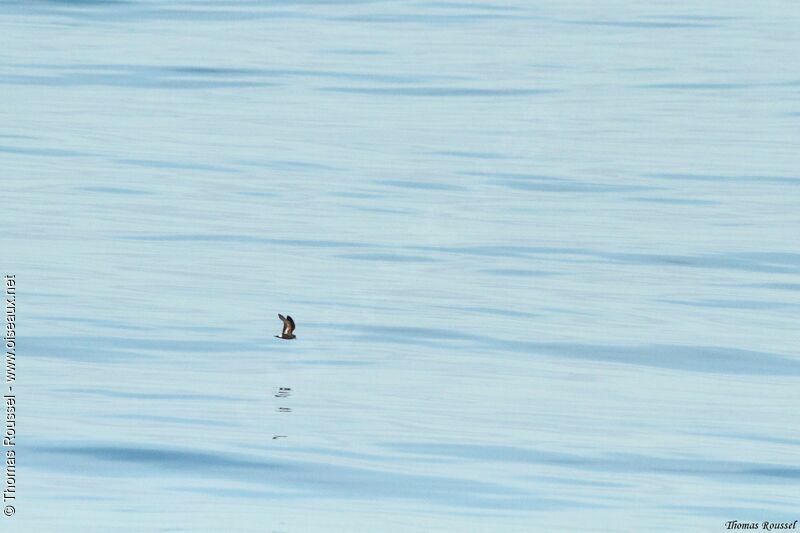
[[288, 327]]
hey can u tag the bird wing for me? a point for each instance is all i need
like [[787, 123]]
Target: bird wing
[[288, 324]]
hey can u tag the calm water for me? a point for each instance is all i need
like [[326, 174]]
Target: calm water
[[543, 258]]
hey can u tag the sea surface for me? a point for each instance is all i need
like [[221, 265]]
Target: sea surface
[[543, 257]]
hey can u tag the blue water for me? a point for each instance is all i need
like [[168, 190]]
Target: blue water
[[543, 259]]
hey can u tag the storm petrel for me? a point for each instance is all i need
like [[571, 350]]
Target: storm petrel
[[288, 327]]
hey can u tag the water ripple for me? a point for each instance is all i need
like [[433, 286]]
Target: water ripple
[[306, 478]]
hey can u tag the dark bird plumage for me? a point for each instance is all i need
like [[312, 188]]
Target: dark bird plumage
[[288, 327]]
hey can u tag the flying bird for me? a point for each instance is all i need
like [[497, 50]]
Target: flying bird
[[288, 327]]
